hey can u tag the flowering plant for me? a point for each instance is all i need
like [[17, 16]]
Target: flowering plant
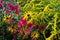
[[29, 20]]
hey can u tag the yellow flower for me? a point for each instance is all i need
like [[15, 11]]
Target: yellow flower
[[6, 18], [30, 15], [11, 29], [34, 34]]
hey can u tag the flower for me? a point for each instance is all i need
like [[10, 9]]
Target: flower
[[19, 25], [34, 34], [27, 31], [9, 5], [16, 6], [23, 21], [7, 11], [30, 25], [6, 18], [12, 30], [16, 11], [42, 27]]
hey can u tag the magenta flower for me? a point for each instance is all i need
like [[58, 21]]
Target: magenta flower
[[23, 21], [19, 25], [42, 27], [27, 31], [9, 4], [16, 7], [30, 25], [7, 11], [17, 11]]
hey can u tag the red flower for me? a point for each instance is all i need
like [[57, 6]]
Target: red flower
[[42, 27], [30, 25]]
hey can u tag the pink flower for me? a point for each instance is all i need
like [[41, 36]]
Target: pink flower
[[7, 11], [9, 4], [16, 11], [27, 31], [30, 25], [23, 21], [19, 25], [16, 7]]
